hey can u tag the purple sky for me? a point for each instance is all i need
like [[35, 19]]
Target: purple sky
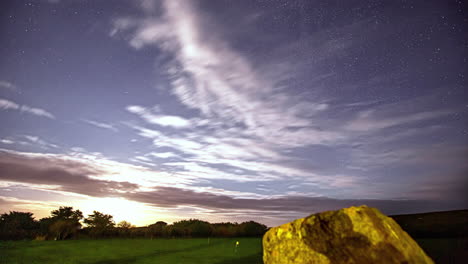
[[232, 110]]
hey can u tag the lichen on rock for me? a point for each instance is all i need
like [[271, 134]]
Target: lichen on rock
[[350, 235]]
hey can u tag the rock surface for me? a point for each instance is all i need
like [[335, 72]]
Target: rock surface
[[350, 235]]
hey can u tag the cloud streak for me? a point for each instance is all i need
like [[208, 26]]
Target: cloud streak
[[8, 85], [367, 122], [101, 125], [7, 105], [162, 120]]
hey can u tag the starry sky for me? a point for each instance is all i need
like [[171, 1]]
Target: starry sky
[[232, 110]]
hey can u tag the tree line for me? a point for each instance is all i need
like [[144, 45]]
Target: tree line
[[67, 223]]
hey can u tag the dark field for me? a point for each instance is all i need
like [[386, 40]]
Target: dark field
[[446, 250], [443, 235], [435, 224]]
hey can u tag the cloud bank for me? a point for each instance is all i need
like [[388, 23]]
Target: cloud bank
[[92, 178]]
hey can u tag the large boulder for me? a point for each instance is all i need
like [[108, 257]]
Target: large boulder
[[352, 235]]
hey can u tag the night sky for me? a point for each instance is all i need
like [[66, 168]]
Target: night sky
[[232, 110]]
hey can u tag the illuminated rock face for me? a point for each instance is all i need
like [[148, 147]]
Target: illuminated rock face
[[352, 235]]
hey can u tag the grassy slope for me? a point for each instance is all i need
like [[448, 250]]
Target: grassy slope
[[442, 235], [435, 224], [112, 251], [445, 250]]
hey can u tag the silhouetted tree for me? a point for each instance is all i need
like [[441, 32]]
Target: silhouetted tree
[[67, 213], [123, 228], [63, 229], [158, 229], [63, 223], [44, 224], [225, 229], [125, 225], [192, 228], [252, 229], [18, 225], [100, 224]]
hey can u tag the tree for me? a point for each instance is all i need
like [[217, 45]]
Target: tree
[[99, 224], [67, 213], [252, 228], [158, 229], [225, 229], [63, 229], [125, 225], [192, 227], [123, 228], [18, 225], [99, 220], [44, 226], [64, 223]]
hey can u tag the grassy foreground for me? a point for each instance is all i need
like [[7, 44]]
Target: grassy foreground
[[161, 251], [111, 251]]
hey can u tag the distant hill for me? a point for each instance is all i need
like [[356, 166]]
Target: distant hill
[[435, 224]]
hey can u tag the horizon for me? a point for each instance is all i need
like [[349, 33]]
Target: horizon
[[83, 224], [231, 111]]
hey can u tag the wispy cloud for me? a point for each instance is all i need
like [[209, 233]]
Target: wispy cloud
[[163, 155], [40, 142], [221, 83], [366, 120], [36, 111], [244, 120], [247, 117], [100, 125], [8, 85], [6, 141], [236, 152], [162, 120], [6, 104]]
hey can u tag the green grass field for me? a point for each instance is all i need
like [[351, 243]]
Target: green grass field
[[111, 251], [160, 251]]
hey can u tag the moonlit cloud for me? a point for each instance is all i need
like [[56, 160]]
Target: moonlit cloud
[[222, 81], [5, 104], [244, 121], [162, 120], [163, 155], [80, 176], [221, 87], [6, 141], [224, 111]]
